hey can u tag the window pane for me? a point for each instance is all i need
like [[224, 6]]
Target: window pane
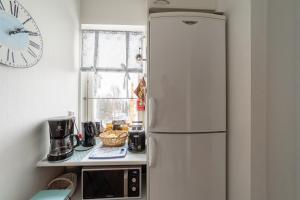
[[107, 110], [88, 48], [111, 49], [134, 45], [112, 85]]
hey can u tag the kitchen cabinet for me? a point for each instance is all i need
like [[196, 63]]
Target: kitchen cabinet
[[214, 5]]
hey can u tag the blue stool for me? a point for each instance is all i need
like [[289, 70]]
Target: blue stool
[[52, 195]]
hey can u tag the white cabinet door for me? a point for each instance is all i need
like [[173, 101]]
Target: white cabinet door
[[184, 4], [191, 167], [187, 74]]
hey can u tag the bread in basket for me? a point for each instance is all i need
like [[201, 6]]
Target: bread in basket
[[113, 138]]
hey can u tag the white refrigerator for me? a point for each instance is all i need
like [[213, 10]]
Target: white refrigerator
[[187, 106]]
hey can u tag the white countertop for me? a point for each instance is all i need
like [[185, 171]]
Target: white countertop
[[81, 158]]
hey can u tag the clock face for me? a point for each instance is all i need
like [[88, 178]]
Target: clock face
[[21, 43]]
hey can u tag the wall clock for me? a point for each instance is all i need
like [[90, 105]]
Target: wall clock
[[21, 43]]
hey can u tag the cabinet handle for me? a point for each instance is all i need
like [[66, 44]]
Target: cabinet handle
[[190, 22], [162, 2]]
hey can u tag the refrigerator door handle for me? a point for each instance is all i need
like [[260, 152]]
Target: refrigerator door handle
[[152, 152], [162, 2], [151, 112], [190, 22]]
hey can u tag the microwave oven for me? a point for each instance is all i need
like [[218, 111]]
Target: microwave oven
[[111, 183]]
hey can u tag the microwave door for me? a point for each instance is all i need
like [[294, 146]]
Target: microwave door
[[104, 184], [111, 183]]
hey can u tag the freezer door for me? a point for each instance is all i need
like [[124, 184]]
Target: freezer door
[[187, 166], [187, 78]]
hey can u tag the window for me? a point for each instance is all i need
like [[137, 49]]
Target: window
[[112, 55]]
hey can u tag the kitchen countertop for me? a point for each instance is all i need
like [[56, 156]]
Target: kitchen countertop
[[80, 158]]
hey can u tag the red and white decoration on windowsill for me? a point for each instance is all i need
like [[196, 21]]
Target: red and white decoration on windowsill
[[140, 92]]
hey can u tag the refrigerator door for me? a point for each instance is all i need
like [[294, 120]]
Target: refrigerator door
[[187, 166], [187, 75]]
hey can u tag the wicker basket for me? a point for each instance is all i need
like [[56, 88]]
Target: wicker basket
[[113, 138], [65, 181]]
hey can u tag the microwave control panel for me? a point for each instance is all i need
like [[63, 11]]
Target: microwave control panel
[[134, 182]]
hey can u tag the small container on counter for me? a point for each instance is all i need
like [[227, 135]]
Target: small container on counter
[[136, 137]]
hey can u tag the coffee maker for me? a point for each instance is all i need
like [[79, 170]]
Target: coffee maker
[[61, 138]]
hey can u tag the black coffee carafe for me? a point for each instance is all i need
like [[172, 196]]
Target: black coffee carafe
[[89, 132], [62, 138]]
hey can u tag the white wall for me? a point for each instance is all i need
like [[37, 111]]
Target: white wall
[[262, 150], [127, 12], [259, 99], [239, 98], [298, 100], [30, 96], [273, 136], [281, 136]]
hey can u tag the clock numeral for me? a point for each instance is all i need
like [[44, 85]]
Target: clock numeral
[[11, 8], [33, 44], [33, 34], [7, 57], [16, 11], [31, 52], [27, 20], [13, 57], [14, 8], [24, 58], [1, 6], [10, 56]]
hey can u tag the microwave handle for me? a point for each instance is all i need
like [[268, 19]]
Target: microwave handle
[[152, 152], [125, 183]]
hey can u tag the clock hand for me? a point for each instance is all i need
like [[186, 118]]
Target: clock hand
[[17, 30], [20, 30], [29, 32]]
